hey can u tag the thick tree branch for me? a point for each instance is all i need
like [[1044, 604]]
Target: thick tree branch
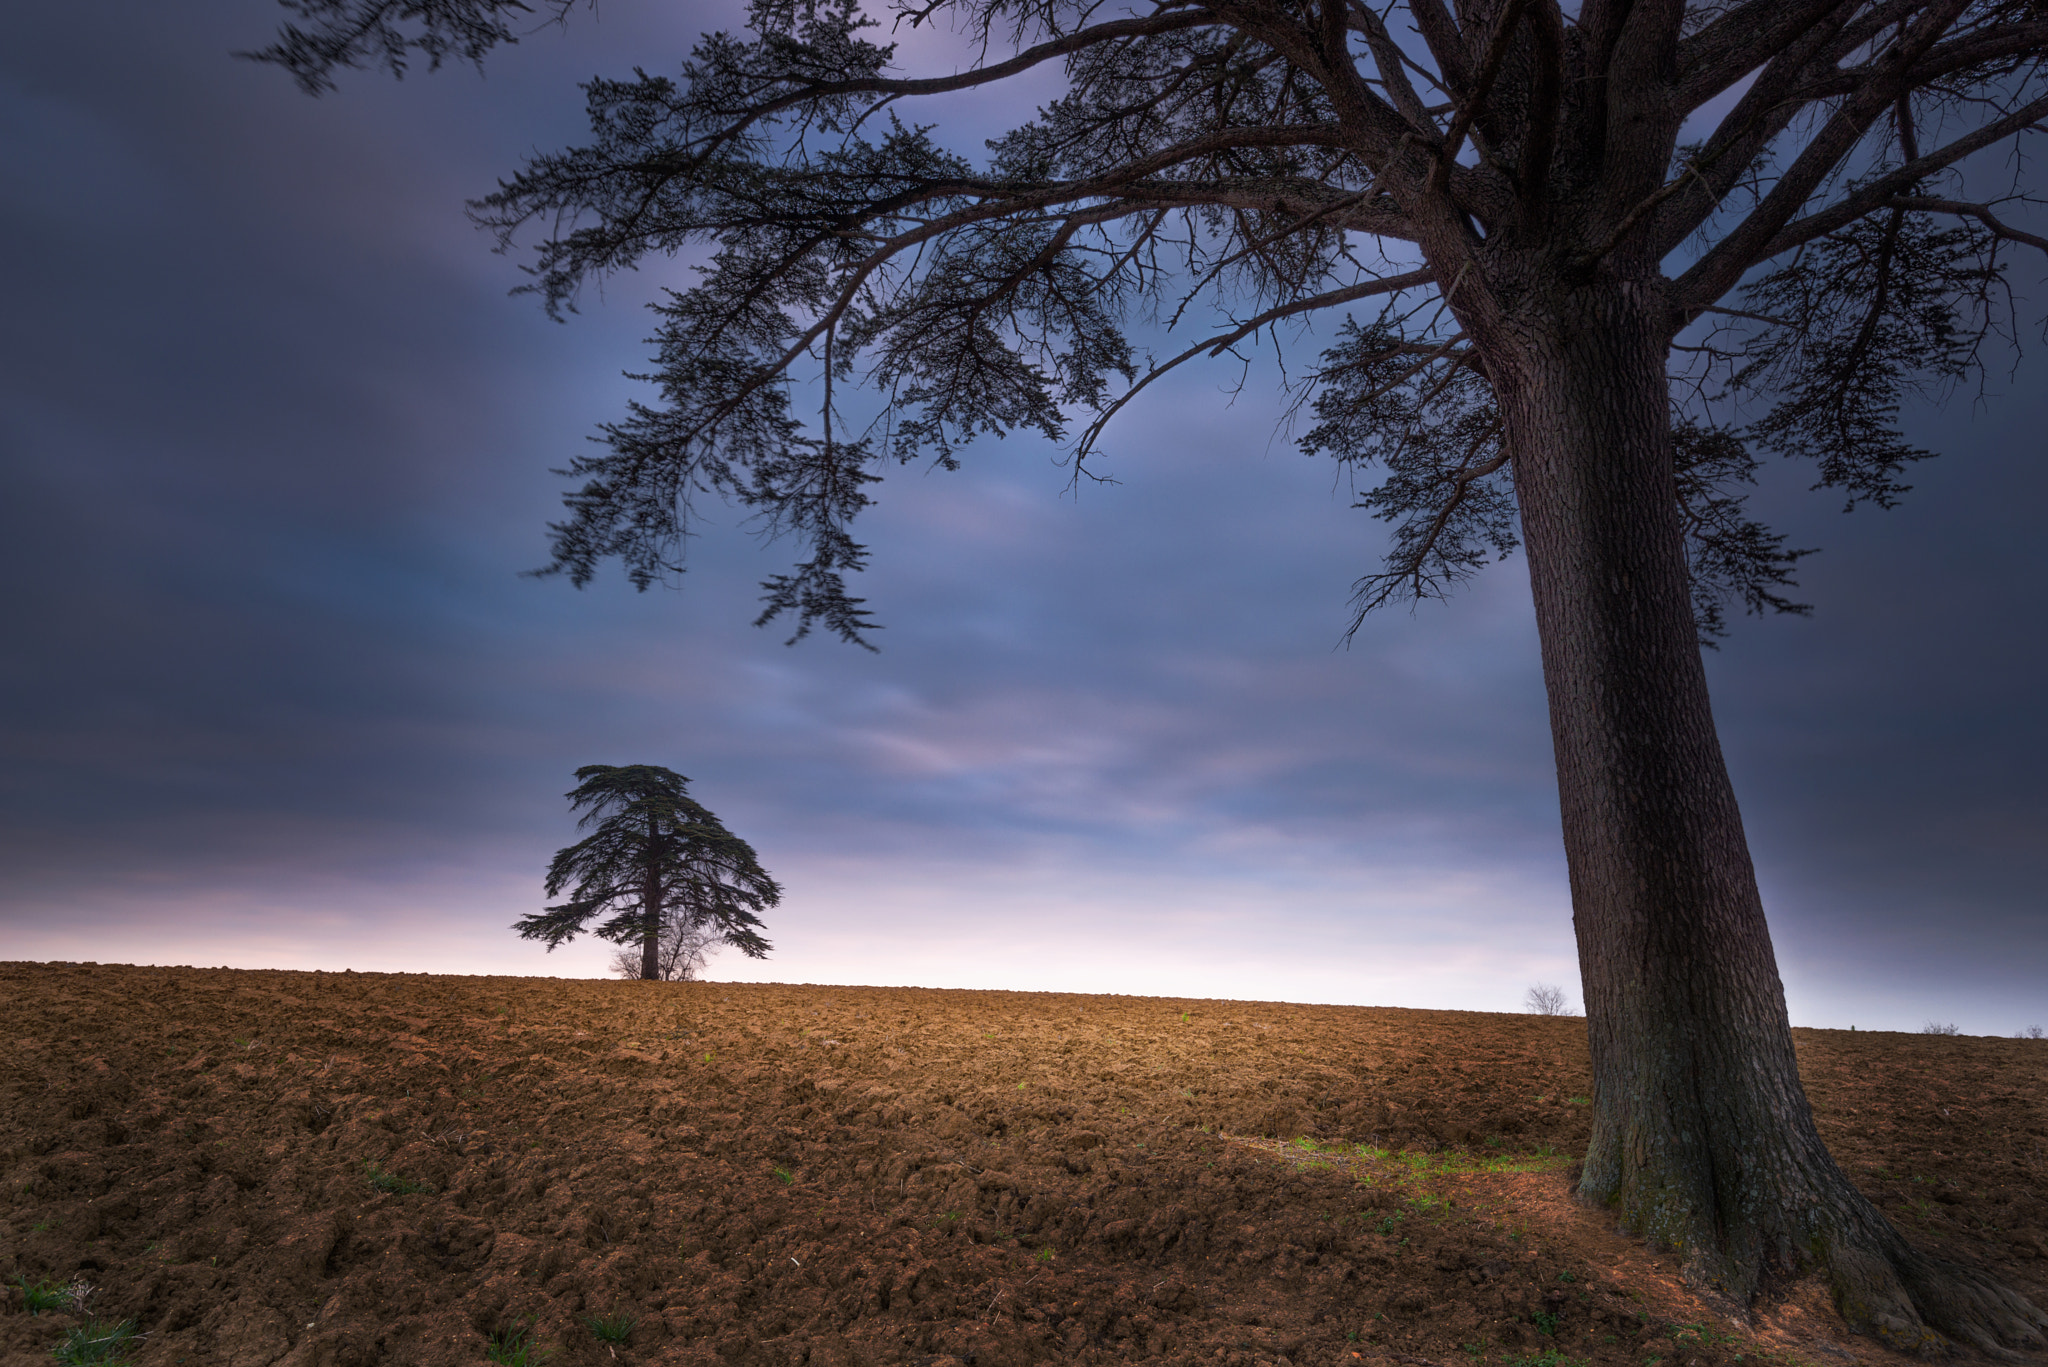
[[1719, 271], [1475, 102], [1984, 48], [1546, 96], [1751, 240], [1446, 45], [1755, 35]]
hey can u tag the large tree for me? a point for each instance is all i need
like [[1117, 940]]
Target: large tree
[[656, 860], [1583, 263]]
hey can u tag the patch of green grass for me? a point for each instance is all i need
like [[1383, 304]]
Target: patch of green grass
[[785, 1176], [1045, 1256], [41, 1296], [515, 1346], [394, 1184], [614, 1328], [1546, 1323], [1698, 1335], [1551, 1357], [1578, 1101], [98, 1342], [1567, 1276], [43, 1227]]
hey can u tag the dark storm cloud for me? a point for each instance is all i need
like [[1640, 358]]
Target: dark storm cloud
[[1889, 751], [277, 448]]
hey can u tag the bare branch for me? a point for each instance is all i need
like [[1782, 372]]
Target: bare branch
[[1719, 270], [1489, 71], [1753, 35], [1410, 573], [1217, 345], [1391, 62], [1983, 213]]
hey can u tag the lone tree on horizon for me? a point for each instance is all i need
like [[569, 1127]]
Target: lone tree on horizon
[[1581, 264], [656, 859]]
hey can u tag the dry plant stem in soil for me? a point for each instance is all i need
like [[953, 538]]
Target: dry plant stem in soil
[[341, 1170]]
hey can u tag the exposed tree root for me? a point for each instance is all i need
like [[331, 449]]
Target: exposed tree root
[[1919, 1303], [1911, 1302]]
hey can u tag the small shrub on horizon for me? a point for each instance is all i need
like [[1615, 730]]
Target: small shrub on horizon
[[1938, 1028], [1546, 1000], [2031, 1032]]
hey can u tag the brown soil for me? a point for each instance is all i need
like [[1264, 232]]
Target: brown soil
[[831, 1175]]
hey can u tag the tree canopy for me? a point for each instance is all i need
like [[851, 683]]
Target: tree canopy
[[1408, 167]]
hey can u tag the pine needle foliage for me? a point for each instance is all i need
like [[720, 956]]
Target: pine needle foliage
[[1414, 171]]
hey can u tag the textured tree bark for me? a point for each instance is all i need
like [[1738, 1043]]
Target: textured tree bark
[[1703, 1140], [650, 906]]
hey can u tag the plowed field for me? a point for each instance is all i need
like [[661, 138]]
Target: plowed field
[[331, 1170]]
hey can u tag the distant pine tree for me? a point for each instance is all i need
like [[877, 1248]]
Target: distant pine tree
[[655, 858]]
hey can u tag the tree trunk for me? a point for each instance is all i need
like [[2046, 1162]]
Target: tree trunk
[[1703, 1140], [650, 903]]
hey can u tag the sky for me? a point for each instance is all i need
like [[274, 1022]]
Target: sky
[[277, 442]]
